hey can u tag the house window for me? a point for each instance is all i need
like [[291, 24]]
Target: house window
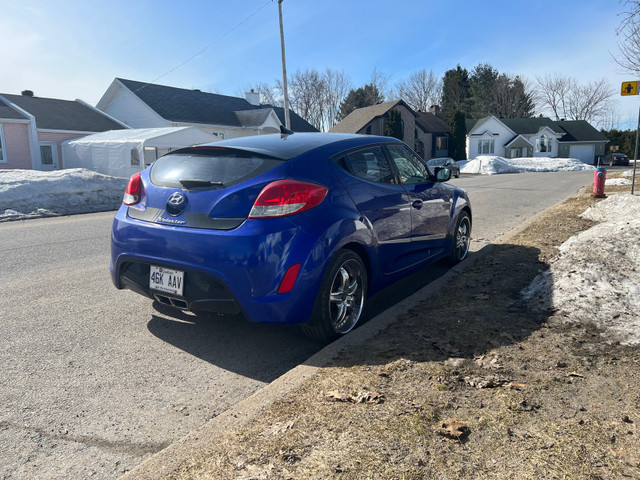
[[441, 143], [543, 144], [368, 131], [486, 146], [135, 157], [46, 153], [3, 157]]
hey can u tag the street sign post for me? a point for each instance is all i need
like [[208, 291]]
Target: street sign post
[[631, 88]]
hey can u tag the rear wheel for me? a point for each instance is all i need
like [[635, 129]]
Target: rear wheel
[[341, 298], [461, 239]]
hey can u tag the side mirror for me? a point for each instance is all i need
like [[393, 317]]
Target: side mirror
[[443, 174]]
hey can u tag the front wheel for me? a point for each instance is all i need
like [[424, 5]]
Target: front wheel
[[461, 239], [341, 298]]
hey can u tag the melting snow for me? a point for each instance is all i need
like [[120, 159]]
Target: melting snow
[[32, 193], [597, 276], [490, 165]]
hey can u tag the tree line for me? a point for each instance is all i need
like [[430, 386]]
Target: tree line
[[323, 98]]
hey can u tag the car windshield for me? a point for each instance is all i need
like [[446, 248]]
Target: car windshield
[[436, 162], [209, 167]]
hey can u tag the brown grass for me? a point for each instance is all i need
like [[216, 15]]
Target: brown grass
[[540, 399]]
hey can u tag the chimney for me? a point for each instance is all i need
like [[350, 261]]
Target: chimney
[[435, 109], [252, 97], [27, 93]]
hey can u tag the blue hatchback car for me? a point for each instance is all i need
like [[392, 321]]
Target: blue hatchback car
[[290, 229]]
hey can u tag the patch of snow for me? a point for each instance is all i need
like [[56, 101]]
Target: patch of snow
[[493, 164], [617, 181], [597, 276], [32, 193]]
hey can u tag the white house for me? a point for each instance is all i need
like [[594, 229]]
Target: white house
[[146, 105], [534, 137]]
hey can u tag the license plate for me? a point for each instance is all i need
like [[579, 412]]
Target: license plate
[[166, 280]]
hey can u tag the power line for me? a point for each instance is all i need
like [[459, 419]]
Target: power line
[[205, 48]]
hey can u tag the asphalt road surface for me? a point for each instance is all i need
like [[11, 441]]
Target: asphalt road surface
[[95, 380]]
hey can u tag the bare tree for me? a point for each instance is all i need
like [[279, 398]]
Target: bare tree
[[313, 95], [337, 85], [629, 33], [380, 81], [567, 98], [553, 91], [421, 90]]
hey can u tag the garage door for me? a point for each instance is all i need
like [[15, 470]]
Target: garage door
[[584, 153]]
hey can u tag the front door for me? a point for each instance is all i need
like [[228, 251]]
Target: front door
[[49, 156]]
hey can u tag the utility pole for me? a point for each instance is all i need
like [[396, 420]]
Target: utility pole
[[287, 121]]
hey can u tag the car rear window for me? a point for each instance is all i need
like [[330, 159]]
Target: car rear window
[[209, 168]]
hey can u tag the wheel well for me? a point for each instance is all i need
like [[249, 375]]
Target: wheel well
[[362, 253]]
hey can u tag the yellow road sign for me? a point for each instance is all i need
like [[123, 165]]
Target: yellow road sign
[[629, 88]]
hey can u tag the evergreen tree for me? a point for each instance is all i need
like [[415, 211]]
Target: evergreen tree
[[393, 124], [358, 98], [458, 150], [456, 93]]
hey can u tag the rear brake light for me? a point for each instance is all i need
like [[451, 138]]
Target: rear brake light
[[133, 192], [286, 197]]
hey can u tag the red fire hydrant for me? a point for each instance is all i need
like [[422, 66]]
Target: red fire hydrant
[[599, 177]]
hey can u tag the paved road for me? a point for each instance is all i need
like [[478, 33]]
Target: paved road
[[94, 380]]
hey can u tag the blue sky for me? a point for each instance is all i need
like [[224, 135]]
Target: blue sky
[[74, 49]]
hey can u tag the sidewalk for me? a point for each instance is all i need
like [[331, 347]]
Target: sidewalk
[[461, 380]]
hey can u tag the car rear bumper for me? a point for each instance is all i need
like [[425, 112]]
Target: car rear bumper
[[235, 271]]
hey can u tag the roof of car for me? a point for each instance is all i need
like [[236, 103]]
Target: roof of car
[[289, 146]]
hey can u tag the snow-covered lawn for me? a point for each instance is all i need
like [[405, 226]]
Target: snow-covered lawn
[[491, 165], [31, 193], [597, 276]]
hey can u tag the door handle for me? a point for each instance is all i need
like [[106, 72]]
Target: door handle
[[417, 204]]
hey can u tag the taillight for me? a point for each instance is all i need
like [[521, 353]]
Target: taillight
[[133, 192], [286, 197]]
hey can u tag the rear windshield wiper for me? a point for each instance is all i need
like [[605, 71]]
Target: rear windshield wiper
[[198, 182]]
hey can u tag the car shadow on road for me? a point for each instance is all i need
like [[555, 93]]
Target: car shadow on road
[[260, 352], [263, 352]]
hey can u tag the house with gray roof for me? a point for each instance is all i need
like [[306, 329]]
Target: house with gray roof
[[534, 137], [425, 133], [147, 105], [32, 129]]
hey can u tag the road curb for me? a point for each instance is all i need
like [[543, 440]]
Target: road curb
[[169, 460]]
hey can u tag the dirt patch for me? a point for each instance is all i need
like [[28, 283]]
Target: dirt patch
[[473, 383]]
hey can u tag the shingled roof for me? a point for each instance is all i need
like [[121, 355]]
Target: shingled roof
[[432, 123], [54, 114], [358, 119], [193, 106], [572, 130]]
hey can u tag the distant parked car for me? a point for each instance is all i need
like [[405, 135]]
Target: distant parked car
[[446, 162], [613, 159], [292, 228]]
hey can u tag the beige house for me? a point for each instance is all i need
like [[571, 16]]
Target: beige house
[[371, 121]]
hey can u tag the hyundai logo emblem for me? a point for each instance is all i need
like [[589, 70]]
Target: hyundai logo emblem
[[176, 204]]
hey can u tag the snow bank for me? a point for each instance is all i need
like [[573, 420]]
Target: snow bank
[[491, 164], [32, 193], [597, 276]]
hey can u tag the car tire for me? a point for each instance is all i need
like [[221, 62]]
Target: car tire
[[341, 298], [457, 175], [460, 239]]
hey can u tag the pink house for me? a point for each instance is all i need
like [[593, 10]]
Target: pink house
[[32, 129]]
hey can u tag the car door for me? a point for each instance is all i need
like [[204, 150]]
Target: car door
[[370, 182], [430, 202]]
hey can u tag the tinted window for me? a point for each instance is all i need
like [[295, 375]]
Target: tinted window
[[221, 167], [411, 169], [370, 164]]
